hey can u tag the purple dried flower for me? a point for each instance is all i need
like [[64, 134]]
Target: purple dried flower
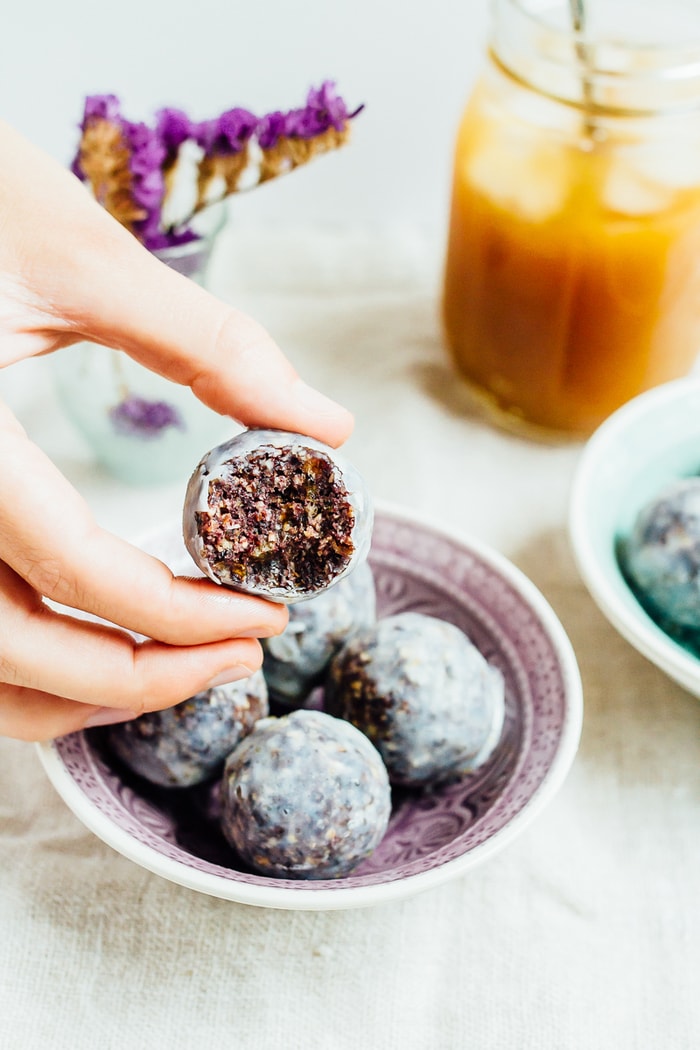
[[102, 107], [137, 417], [132, 158], [126, 164], [328, 106], [147, 156], [271, 128], [97, 107], [173, 127], [148, 182], [324, 109], [228, 133], [158, 241]]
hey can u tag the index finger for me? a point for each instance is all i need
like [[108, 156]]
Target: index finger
[[107, 287], [133, 301]]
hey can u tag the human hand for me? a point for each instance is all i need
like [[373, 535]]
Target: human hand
[[68, 272]]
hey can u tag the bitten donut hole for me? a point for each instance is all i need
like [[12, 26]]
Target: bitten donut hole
[[276, 514], [280, 518]]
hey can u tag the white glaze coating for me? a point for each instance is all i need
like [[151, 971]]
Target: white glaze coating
[[424, 694], [305, 796], [218, 464]]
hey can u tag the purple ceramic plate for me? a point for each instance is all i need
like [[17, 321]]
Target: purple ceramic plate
[[432, 836]]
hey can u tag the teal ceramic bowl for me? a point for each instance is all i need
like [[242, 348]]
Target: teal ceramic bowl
[[645, 444]]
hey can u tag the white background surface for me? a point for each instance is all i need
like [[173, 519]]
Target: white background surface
[[585, 933]]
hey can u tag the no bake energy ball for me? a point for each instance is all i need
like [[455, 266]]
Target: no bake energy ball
[[296, 661], [276, 514], [305, 796], [187, 744], [662, 555], [422, 693]]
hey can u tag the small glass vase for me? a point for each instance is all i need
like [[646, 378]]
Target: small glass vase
[[142, 428]]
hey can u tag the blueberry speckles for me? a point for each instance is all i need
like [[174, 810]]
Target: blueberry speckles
[[423, 694], [662, 555], [187, 744], [276, 514], [305, 796], [296, 661]]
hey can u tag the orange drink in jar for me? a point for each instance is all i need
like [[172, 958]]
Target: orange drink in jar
[[572, 279]]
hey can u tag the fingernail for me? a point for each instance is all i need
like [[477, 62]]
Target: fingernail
[[318, 403], [107, 716], [262, 631], [231, 674]]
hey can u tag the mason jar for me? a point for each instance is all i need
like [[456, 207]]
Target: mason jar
[[572, 277]]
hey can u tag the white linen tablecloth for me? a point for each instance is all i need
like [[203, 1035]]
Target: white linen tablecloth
[[583, 933]]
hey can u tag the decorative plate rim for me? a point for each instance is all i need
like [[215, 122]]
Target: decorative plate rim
[[312, 896]]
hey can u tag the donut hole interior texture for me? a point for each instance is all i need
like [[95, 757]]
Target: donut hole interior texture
[[278, 518]]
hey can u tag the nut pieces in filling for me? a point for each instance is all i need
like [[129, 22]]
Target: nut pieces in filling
[[305, 796], [276, 514]]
